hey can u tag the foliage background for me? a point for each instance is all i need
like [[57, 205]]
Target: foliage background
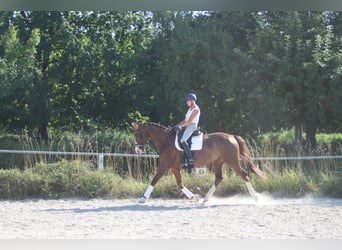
[[74, 80], [253, 72]]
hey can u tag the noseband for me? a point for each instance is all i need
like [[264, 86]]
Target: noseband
[[140, 148]]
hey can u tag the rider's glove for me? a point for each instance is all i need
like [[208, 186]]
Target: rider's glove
[[176, 128]]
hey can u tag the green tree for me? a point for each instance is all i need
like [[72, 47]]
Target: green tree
[[48, 24], [98, 60], [204, 54], [86, 64], [252, 71], [307, 57], [19, 77]]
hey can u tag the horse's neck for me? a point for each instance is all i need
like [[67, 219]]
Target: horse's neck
[[159, 136]]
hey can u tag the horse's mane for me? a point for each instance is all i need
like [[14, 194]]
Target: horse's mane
[[157, 125]]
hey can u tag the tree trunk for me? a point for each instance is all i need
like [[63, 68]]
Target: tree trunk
[[43, 132], [310, 130], [299, 143], [299, 139], [42, 107]]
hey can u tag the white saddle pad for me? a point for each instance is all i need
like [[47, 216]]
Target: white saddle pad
[[196, 142]]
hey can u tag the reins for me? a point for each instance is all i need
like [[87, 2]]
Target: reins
[[166, 130]]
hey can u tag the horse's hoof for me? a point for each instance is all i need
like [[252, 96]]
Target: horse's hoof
[[205, 200], [142, 200], [256, 197], [195, 198]]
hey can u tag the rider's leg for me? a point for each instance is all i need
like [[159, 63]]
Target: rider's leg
[[188, 154], [186, 135]]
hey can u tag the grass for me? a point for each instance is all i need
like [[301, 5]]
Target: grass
[[32, 176], [98, 142], [65, 179], [78, 179]]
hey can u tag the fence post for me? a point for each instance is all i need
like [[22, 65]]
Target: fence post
[[100, 161]]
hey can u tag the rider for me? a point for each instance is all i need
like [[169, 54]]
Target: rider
[[190, 124]]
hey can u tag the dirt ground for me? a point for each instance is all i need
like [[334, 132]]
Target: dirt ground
[[238, 217]]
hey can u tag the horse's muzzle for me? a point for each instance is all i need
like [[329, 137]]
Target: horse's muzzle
[[139, 149]]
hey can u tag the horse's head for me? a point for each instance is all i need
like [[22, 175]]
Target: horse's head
[[141, 138]]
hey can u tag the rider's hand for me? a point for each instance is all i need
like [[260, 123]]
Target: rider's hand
[[176, 128]]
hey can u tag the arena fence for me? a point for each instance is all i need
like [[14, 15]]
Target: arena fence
[[100, 156]]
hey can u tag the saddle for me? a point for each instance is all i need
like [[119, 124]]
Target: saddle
[[195, 141]]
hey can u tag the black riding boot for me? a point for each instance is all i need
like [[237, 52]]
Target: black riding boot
[[188, 154]]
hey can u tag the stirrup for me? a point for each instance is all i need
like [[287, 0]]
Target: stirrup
[[190, 166], [184, 163], [190, 163]]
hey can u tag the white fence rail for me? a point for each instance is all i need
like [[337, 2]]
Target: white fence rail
[[295, 158], [100, 156]]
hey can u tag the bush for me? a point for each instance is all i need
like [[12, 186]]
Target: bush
[[78, 179], [66, 179], [290, 182], [69, 176], [331, 184], [10, 141], [283, 142], [15, 184], [99, 142], [61, 179]]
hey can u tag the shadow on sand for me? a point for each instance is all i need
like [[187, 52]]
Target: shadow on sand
[[134, 206], [139, 207]]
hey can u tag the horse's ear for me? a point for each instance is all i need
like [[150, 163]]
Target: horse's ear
[[135, 125]]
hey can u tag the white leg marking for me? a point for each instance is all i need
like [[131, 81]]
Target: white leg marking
[[252, 191], [188, 193], [147, 194], [210, 193]]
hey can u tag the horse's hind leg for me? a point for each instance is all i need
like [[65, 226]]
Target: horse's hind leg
[[218, 178], [187, 192], [244, 175], [251, 190]]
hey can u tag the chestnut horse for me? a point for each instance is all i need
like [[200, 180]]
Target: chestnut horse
[[218, 148]]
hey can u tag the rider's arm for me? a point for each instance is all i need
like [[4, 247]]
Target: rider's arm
[[185, 123]]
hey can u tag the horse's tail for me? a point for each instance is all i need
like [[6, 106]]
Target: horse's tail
[[246, 158]]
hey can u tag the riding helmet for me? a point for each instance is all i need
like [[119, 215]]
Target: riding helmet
[[190, 97]]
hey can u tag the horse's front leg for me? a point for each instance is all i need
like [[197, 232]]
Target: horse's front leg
[[187, 192], [160, 172]]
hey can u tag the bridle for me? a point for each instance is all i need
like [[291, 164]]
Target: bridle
[[140, 148]]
